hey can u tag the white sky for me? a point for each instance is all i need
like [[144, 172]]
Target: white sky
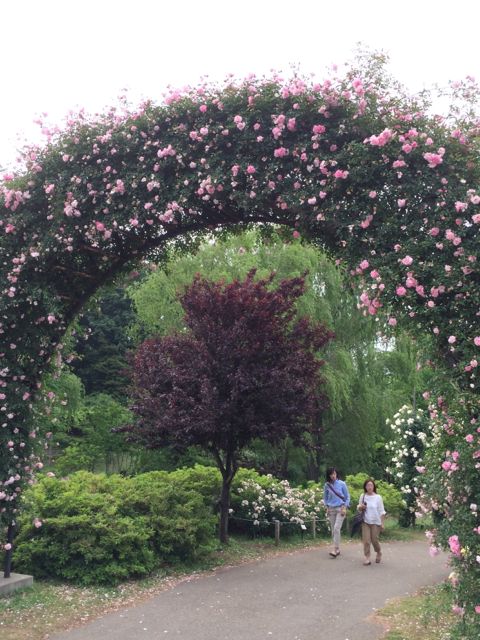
[[56, 55]]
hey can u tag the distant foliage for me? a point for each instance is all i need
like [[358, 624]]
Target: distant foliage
[[92, 443], [363, 384], [104, 341]]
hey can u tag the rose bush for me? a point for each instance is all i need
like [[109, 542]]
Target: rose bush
[[278, 500], [451, 491], [411, 436]]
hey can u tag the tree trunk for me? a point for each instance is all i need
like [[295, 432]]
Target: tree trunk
[[224, 507], [228, 468], [315, 452]]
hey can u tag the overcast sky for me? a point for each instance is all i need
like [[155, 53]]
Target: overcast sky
[[60, 54]]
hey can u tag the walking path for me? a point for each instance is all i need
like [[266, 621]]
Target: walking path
[[303, 595]]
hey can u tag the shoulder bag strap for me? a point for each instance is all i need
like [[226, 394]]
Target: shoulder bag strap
[[335, 492]]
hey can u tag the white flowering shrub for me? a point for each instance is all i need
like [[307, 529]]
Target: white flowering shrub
[[296, 506], [411, 436]]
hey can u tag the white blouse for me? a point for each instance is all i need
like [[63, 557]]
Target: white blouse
[[375, 509]]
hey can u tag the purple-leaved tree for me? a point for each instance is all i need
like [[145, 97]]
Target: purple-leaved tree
[[246, 368]]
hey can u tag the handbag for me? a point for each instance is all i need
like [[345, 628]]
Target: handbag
[[357, 520]]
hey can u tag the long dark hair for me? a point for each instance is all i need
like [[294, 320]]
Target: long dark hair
[[329, 472]]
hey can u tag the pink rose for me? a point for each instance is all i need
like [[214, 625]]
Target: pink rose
[[433, 159], [454, 545], [281, 152]]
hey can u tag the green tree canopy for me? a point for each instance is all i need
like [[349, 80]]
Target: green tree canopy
[[364, 383], [101, 350]]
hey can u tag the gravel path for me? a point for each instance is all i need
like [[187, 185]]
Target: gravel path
[[302, 595]]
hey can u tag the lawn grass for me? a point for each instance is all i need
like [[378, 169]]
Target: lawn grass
[[46, 607], [424, 616]]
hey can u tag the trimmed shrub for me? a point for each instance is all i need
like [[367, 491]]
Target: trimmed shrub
[[206, 481], [103, 529], [83, 537], [181, 517]]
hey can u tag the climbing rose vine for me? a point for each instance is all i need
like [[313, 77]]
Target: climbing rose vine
[[452, 494], [351, 163], [411, 435]]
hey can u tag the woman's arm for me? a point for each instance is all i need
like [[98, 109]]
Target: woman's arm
[[361, 504]]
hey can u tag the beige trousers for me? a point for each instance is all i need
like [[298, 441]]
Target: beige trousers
[[336, 518], [370, 533]]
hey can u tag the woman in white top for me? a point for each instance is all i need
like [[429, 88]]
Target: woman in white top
[[373, 520]]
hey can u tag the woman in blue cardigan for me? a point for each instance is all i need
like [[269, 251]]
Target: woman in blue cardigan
[[337, 500]]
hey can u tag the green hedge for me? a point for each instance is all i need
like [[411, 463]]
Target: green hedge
[[103, 529]]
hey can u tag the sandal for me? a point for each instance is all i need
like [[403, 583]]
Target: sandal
[[378, 558]]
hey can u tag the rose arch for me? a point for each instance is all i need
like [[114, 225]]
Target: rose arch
[[389, 190]]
